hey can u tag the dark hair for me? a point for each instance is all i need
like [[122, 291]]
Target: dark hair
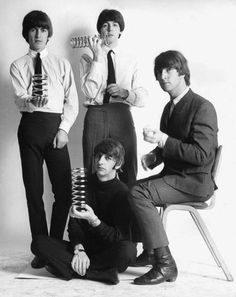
[[172, 59], [112, 148], [36, 18], [110, 15]]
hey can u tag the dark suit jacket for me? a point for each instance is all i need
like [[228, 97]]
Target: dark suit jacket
[[189, 151]]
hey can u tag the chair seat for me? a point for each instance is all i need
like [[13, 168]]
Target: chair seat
[[197, 205]]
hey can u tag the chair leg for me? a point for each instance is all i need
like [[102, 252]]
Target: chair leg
[[210, 243]]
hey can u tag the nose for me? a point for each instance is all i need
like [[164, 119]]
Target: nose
[[101, 160], [38, 32], [164, 74]]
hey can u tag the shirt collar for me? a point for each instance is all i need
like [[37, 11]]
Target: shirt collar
[[178, 98], [43, 53]]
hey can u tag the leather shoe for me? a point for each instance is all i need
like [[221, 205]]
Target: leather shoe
[[37, 263], [144, 259], [108, 276], [164, 269]]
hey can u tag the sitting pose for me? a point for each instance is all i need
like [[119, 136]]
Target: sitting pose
[[100, 234], [186, 143]]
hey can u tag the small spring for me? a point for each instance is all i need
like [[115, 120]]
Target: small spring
[[82, 41], [79, 42], [79, 186]]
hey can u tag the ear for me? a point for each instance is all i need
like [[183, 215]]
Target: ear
[[117, 167]]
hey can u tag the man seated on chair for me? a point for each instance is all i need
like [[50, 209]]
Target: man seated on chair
[[100, 234], [186, 144]]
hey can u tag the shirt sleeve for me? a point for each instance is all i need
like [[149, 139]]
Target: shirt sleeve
[[71, 106], [75, 231], [92, 77], [137, 94], [20, 90]]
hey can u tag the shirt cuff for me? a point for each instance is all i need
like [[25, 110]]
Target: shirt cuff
[[131, 98], [64, 126], [161, 143]]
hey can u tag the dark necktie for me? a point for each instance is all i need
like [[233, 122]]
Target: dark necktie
[[111, 79], [171, 108], [38, 73], [38, 65]]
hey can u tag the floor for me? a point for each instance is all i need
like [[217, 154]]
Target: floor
[[196, 278]]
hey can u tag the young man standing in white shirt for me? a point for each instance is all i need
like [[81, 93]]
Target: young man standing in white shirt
[[108, 102], [47, 116]]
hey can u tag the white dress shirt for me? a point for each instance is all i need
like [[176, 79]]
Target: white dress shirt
[[62, 93], [94, 79]]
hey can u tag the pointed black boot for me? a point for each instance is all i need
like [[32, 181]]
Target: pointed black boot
[[146, 258], [164, 269], [107, 276]]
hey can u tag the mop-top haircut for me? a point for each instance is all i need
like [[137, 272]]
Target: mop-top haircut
[[110, 15], [111, 148], [172, 59], [36, 18]]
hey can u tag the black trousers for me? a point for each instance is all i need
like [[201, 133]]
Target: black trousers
[[35, 135], [59, 254], [112, 120]]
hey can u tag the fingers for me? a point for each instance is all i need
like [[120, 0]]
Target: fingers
[[39, 101]]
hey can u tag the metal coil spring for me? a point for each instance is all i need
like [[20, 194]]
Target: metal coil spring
[[79, 42], [79, 185], [40, 84]]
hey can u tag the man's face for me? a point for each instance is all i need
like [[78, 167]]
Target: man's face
[[170, 81], [105, 167], [38, 38], [110, 31]]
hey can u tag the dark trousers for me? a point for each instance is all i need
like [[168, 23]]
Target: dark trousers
[[115, 121], [59, 254], [35, 135], [144, 197]]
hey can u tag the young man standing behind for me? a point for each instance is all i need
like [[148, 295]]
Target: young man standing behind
[[46, 96]]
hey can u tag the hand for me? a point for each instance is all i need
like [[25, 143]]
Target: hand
[[86, 214], [61, 139], [115, 91], [147, 160], [95, 44], [80, 263], [152, 135], [38, 101]]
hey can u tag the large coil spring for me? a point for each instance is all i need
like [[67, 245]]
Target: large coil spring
[[79, 186], [40, 85]]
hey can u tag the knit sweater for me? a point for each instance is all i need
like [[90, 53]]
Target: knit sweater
[[109, 201]]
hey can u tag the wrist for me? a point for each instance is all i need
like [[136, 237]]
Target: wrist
[[94, 222]]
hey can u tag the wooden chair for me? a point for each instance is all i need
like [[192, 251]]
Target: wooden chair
[[193, 208]]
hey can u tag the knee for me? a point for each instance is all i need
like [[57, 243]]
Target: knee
[[126, 255], [38, 243]]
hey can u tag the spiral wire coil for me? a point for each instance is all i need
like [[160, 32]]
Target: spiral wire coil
[[40, 85], [79, 42], [79, 186]]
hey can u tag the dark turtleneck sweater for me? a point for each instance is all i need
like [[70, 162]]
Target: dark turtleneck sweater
[[109, 201]]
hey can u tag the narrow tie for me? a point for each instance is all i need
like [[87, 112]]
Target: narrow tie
[[37, 76], [38, 65], [171, 108], [111, 79]]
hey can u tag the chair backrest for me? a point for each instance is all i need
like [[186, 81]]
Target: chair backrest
[[216, 162]]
